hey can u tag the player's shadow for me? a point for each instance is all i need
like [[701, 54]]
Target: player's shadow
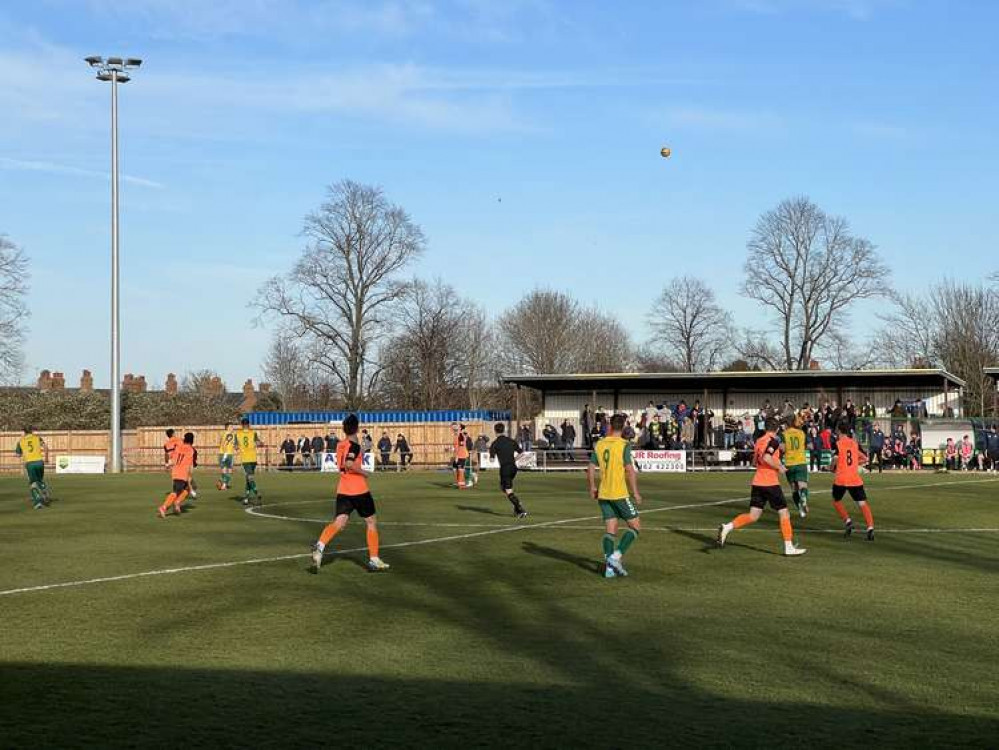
[[586, 563], [329, 560], [480, 509]]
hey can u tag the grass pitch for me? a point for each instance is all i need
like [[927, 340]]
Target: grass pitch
[[207, 630]]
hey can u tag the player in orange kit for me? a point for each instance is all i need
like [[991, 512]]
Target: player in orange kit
[[462, 468], [766, 489], [183, 459], [849, 459], [352, 493]]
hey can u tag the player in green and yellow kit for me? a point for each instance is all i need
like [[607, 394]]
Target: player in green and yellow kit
[[32, 450], [247, 442], [227, 446], [796, 461], [612, 455]]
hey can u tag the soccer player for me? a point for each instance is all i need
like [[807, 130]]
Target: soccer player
[[247, 442], [33, 451], [352, 493], [506, 451], [612, 455], [460, 448], [182, 462], [796, 461], [227, 446], [171, 445], [765, 489], [849, 457]]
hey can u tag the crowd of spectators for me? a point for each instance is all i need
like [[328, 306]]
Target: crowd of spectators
[[693, 427], [305, 453]]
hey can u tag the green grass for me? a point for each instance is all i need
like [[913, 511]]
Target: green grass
[[508, 638]]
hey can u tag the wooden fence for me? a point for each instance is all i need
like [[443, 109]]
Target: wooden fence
[[142, 448]]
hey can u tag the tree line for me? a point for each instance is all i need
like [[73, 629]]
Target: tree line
[[353, 328]]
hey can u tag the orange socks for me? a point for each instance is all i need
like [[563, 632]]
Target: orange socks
[[329, 532], [459, 477], [372, 542], [744, 520], [841, 510], [785, 528], [170, 500], [868, 516]]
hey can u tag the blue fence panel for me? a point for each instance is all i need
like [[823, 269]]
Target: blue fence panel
[[376, 417]]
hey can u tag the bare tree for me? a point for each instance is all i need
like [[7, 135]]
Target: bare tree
[[653, 359], [439, 358], [807, 269], [337, 296], [954, 326], [690, 326], [204, 383], [286, 369], [13, 311], [550, 332]]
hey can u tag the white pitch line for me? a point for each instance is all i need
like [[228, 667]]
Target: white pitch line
[[396, 545]]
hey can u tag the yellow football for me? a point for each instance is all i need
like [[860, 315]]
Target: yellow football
[[665, 152]]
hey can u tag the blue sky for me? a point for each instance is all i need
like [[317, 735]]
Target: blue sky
[[522, 135]]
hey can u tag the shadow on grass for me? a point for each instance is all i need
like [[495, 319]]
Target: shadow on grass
[[108, 707], [480, 509], [586, 563]]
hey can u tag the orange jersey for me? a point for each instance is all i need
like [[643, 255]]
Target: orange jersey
[[849, 457], [171, 445], [766, 476], [351, 482], [183, 461], [461, 446]]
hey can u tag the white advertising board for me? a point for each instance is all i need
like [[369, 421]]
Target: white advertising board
[[528, 460], [660, 461], [79, 464], [328, 463]]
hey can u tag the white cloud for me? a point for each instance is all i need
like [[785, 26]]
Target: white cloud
[[48, 167]]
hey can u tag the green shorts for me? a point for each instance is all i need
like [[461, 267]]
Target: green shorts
[[797, 473], [36, 471], [250, 467], [623, 509], [225, 461]]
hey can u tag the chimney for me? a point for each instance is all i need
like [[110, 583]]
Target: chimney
[[171, 384], [126, 382], [86, 382], [45, 380], [58, 382], [814, 365], [249, 397], [140, 384]]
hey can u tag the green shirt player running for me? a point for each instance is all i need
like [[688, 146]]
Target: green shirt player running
[[612, 455], [33, 451], [796, 461], [247, 442]]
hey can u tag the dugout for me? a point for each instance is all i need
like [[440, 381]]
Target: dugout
[[733, 394]]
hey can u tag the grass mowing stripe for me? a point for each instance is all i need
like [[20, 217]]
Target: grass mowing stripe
[[415, 543]]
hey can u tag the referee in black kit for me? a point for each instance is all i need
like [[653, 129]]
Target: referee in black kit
[[506, 451]]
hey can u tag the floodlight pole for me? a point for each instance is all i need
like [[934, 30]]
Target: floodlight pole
[[115, 307], [115, 70]]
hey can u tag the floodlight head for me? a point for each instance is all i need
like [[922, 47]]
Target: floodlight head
[[103, 76], [115, 61], [124, 78], [93, 60], [132, 62]]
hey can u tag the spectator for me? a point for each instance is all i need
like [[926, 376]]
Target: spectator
[[867, 415], [920, 410], [967, 450], [318, 448], [655, 434], [568, 436], [586, 422], [950, 455], [628, 433], [305, 448], [404, 451], [806, 413], [367, 443], [814, 448], [850, 414], [288, 449], [877, 445], [525, 438], [687, 433], [948, 411], [915, 451], [331, 442], [992, 447], [385, 447], [481, 444]]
